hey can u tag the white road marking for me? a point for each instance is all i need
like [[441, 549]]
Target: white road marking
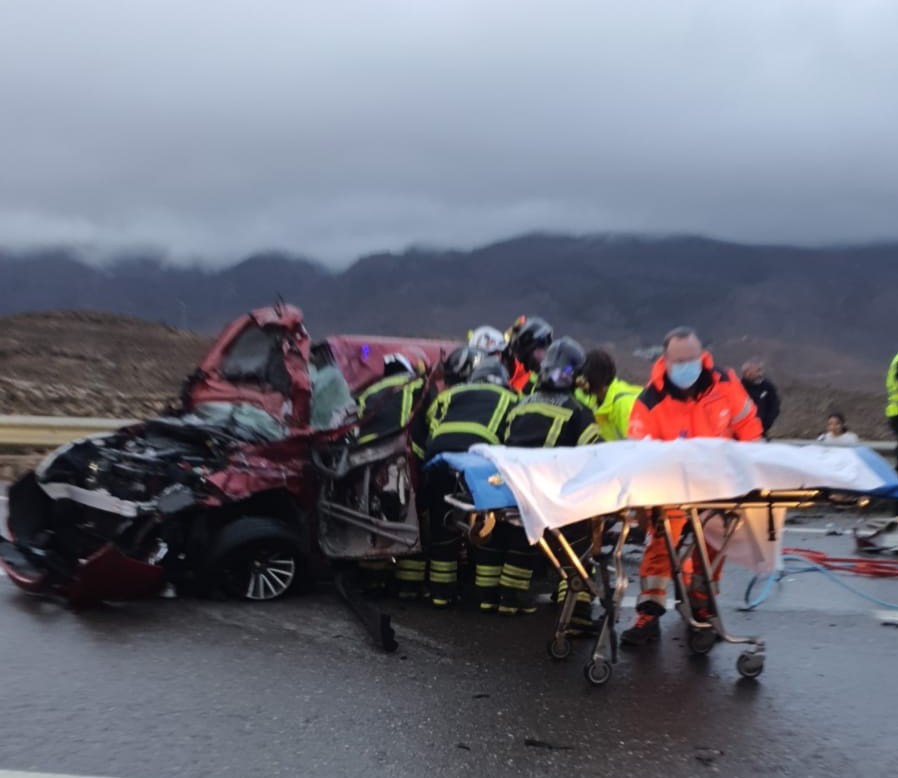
[[23, 774], [815, 530]]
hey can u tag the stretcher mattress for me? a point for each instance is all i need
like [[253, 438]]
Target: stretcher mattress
[[556, 487]]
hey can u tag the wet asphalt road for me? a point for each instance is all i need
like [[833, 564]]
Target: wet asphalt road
[[197, 688]]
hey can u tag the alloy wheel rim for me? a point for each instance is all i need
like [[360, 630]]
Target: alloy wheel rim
[[270, 575]]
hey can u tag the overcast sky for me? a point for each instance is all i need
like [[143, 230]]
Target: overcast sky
[[337, 128]]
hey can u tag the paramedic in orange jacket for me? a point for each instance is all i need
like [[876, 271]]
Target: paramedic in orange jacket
[[686, 397]]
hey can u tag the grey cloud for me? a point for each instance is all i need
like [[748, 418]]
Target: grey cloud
[[336, 128]]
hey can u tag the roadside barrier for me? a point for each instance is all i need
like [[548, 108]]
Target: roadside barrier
[[49, 431], [18, 432]]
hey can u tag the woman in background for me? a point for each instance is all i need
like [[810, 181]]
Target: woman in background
[[837, 432]]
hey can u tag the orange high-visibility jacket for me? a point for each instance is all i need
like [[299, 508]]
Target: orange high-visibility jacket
[[721, 408]]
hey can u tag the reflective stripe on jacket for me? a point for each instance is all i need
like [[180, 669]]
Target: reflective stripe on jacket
[[386, 407], [550, 419], [467, 414], [613, 415], [892, 388]]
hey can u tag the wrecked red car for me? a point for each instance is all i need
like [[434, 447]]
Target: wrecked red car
[[244, 488]]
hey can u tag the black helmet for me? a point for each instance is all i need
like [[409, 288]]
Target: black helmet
[[490, 371], [562, 364], [534, 333], [460, 363]]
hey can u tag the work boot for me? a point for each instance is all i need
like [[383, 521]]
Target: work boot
[[699, 602], [512, 602], [489, 600], [646, 627], [701, 614]]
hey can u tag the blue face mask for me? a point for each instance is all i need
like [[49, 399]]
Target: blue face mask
[[685, 374]]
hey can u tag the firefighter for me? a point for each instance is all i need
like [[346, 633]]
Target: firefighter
[[471, 410], [386, 407], [549, 417], [686, 397], [609, 398], [528, 340]]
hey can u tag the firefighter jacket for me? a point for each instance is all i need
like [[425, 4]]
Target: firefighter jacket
[[892, 388], [387, 407], [716, 407], [613, 415], [548, 419], [467, 414]]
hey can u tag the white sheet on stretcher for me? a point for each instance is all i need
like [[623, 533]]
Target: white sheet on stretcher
[[556, 487]]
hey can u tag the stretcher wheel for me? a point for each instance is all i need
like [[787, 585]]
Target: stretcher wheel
[[559, 647], [750, 665], [701, 641], [598, 673]]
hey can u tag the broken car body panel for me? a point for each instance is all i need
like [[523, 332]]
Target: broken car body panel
[[113, 516]]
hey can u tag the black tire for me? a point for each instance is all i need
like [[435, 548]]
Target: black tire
[[750, 665], [701, 641], [559, 648], [598, 673], [256, 559]]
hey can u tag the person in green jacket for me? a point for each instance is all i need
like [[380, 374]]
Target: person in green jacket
[[607, 396], [892, 401]]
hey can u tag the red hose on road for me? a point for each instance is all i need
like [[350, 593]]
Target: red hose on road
[[878, 568]]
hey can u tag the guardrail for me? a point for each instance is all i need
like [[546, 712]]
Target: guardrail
[[48, 431], [880, 446], [51, 431]]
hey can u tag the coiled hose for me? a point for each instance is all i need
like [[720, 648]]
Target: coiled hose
[[801, 560]]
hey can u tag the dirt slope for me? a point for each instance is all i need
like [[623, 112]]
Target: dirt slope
[[93, 364]]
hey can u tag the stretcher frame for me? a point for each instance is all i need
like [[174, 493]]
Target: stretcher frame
[[703, 635]]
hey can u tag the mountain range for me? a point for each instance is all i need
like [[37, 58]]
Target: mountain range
[[801, 307]]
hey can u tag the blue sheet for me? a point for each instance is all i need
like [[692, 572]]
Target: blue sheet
[[883, 469], [477, 472]]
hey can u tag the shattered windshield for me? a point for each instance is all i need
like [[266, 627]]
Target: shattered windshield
[[243, 421], [332, 403]]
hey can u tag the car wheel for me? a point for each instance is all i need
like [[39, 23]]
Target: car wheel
[[263, 570], [255, 559]]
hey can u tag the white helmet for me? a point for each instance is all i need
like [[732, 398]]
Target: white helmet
[[487, 339]]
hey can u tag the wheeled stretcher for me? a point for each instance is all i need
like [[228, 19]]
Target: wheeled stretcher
[[734, 493]]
